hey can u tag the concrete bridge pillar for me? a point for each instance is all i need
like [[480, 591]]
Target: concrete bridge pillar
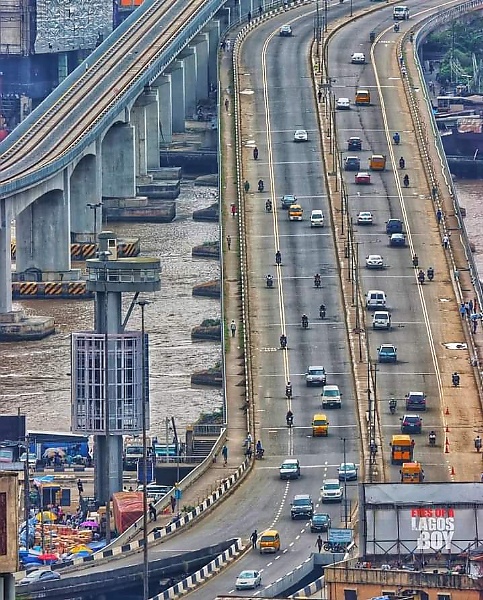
[[85, 190], [176, 69], [5, 256], [201, 44], [153, 130], [188, 56], [213, 30], [165, 105], [118, 162], [139, 118], [43, 232]]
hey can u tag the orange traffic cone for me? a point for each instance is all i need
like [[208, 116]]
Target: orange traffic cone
[[446, 412], [452, 471], [447, 429], [446, 446]]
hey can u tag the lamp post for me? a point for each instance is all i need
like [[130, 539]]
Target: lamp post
[[143, 304], [94, 207], [345, 487]]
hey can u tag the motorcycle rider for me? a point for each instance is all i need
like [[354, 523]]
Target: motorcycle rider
[[455, 379], [432, 438], [322, 311], [397, 138], [278, 257], [396, 27], [260, 185], [392, 405], [288, 390], [406, 180], [317, 280], [305, 321], [421, 276], [402, 163], [268, 205], [415, 261], [283, 341], [255, 153], [289, 418], [430, 273]]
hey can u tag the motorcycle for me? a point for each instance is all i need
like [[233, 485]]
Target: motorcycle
[[305, 322], [432, 439], [289, 420], [397, 138], [317, 281], [421, 277], [415, 261], [261, 187], [283, 342], [259, 454], [402, 163], [334, 547], [396, 28], [322, 311], [430, 274], [268, 206], [278, 258], [406, 181], [288, 391], [393, 406], [269, 281], [455, 380]]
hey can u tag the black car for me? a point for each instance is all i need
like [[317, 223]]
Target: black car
[[411, 424], [302, 506], [352, 163], [288, 200], [354, 143], [397, 240], [320, 522]]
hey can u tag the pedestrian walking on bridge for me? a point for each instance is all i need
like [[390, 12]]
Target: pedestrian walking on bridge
[[319, 543], [254, 538]]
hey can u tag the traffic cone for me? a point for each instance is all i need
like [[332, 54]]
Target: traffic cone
[[446, 446], [446, 412], [447, 429], [452, 471]]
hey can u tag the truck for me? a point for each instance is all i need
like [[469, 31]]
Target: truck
[[400, 13], [132, 454]]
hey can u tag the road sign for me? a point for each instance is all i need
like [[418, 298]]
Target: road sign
[[340, 536]]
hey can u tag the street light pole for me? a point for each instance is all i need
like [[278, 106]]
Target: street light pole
[[345, 487], [143, 304], [94, 207]]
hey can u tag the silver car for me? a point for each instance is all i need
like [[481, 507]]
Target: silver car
[[315, 375]]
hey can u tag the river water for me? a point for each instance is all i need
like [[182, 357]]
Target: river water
[[470, 194], [34, 376]]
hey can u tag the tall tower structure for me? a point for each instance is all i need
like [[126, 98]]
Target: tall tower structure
[[107, 364]]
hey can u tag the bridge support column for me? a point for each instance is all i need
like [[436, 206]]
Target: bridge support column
[[200, 43], [43, 233], [153, 133], [5, 257], [85, 189], [188, 56], [139, 118], [118, 168], [213, 29], [178, 92], [165, 95]]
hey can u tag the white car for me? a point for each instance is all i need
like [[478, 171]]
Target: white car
[[285, 31], [381, 320], [347, 471], [248, 580], [300, 136], [343, 104], [40, 575], [331, 491], [331, 397], [364, 218], [316, 218], [374, 261], [358, 58], [315, 375]]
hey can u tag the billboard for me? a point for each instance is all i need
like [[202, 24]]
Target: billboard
[[431, 518], [8, 522]]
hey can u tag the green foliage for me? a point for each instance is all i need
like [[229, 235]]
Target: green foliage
[[211, 323]]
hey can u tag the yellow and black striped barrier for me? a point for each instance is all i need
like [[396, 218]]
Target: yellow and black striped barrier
[[77, 288], [29, 288], [81, 252], [128, 249], [53, 288], [13, 250]]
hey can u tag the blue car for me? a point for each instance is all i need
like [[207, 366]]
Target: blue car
[[387, 353], [397, 239]]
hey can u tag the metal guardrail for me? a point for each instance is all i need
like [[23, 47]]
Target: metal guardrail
[[176, 45]]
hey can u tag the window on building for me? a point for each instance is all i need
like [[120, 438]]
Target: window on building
[[444, 596], [350, 594]]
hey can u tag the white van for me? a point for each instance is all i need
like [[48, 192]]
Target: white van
[[376, 299], [317, 218], [381, 320], [400, 13]]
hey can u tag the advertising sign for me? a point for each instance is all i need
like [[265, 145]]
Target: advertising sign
[[433, 518], [8, 522], [340, 536]]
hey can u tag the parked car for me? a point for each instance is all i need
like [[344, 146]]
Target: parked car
[[285, 31], [300, 136], [363, 178], [302, 506], [354, 143], [343, 104], [320, 522], [387, 353], [352, 163], [411, 424], [364, 218], [315, 375], [347, 471], [374, 261], [290, 469], [331, 491], [248, 580], [397, 240]]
